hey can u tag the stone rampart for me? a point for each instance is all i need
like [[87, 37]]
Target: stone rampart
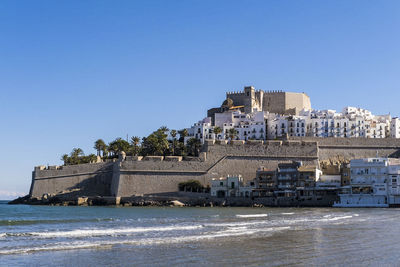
[[137, 176], [146, 177], [82, 180], [353, 148]]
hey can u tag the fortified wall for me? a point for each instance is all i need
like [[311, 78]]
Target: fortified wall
[[74, 180], [354, 148], [135, 176]]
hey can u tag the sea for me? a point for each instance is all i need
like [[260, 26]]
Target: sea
[[173, 236]]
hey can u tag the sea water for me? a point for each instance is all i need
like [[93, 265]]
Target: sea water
[[164, 236]]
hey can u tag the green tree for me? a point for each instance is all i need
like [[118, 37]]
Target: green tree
[[77, 152], [92, 158], [217, 131], [173, 134], [135, 144], [99, 145], [193, 146], [182, 134], [65, 158], [164, 129], [191, 186], [232, 133], [118, 145], [156, 143]]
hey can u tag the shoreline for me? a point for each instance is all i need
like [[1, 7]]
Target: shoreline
[[174, 200]]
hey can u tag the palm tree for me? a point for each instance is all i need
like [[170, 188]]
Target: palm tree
[[217, 131], [193, 145], [65, 158], [182, 134], [164, 129], [232, 133], [77, 152], [92, 158], [135, 141], [105, 150], [99, 146], [173, 135]]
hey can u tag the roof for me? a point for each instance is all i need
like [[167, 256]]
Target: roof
[[236, 107], [309, 168]]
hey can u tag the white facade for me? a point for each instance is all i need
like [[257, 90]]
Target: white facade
[[375, 182], [331, 181], [231, 186], [394, 184], [395, 128], [260, 125]]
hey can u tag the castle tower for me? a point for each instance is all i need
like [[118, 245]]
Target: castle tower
[[250, 100]]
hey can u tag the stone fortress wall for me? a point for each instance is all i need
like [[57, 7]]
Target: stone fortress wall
[[273, 101], [82, 180], [154, 175]]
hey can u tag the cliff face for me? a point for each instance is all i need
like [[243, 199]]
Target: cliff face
[[152, 176]]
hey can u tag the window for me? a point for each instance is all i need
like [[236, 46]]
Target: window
[[233, 185], [221, 183]]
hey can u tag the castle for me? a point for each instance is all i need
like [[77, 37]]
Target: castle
[[219, 157], [251, 100]]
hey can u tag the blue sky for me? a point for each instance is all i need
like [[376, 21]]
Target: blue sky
[[75, 71]]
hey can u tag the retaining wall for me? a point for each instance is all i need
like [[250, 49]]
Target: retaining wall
[[75, 180], [137, 176]]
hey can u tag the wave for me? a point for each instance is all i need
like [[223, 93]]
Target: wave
[[103, 232], [336, 218], [287, 213], [60, 246], [231, 232], [28, 222], [251, 215], [236, 224]]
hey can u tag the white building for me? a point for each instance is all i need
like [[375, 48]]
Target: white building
[[231, 186], [328, 181], [395, 128], [373, 183], [394, 184], [260, 125]]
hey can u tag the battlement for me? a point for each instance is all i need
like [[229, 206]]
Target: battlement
[[235, 93], [274, 91]]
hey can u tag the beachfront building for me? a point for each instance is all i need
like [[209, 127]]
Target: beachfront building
[[231, 186], [373, 183], [294, 180], [394, 184], [265, 183], [287, 179]]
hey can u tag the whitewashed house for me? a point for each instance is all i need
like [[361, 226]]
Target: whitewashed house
[[231, 186]]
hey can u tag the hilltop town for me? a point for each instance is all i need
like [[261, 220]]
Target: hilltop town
[[259, 148], [259, 115]]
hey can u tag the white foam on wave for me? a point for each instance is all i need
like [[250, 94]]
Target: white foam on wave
[[230, 232], [237, 224], [3, 235], [106, 232], [57, 246], [251, 215], [337, 218], [287, 213]]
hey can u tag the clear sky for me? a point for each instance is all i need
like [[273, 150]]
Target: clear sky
[[75, 71]]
